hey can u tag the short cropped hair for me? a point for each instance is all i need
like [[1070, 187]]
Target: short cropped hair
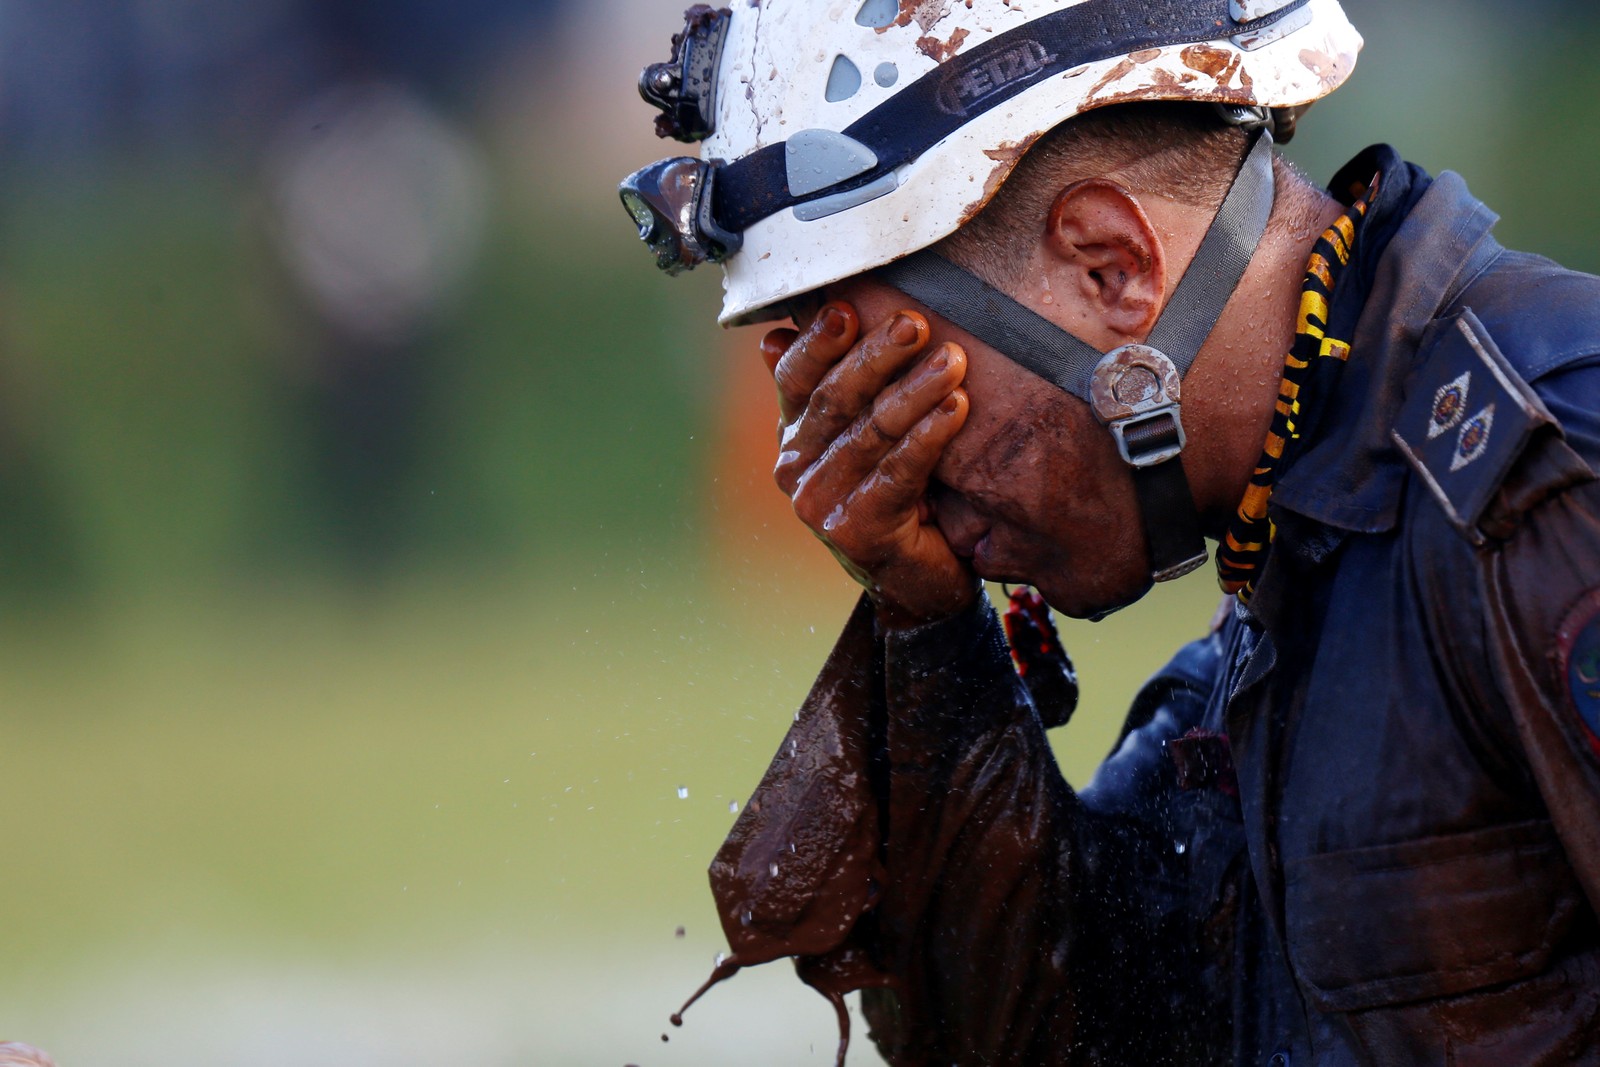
[[1178, 150]]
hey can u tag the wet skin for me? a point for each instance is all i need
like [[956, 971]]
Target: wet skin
[[921, 478]]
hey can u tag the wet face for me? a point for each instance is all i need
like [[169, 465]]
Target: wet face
[[1032, 489]]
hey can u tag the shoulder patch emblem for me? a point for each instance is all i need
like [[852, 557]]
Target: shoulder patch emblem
[[1466, 418], [1578, 648], [1473, 440], [1449, 405]]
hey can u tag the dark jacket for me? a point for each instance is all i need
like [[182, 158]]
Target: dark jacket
[[1384, 845]]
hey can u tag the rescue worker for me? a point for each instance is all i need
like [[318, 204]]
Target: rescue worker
[[1059, 315]]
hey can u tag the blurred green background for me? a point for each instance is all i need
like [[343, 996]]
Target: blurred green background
[[392, 598]]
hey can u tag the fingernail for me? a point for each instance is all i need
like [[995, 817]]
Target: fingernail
[[950, 404], [904, 331], [940, 360], [833, 322]]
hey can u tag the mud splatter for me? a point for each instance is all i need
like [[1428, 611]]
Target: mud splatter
[[1219, 63], [1115, 74], [1162, 83], [793, 879], [942, 51], [925, 13], [1011, 151], [1330, 70], [1005, 157]]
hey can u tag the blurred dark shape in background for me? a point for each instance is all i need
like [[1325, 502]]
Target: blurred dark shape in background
[[289, 299], [92, 77], [376, 206]]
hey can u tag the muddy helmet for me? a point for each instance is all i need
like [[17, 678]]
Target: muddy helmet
[[842, 136], [839, 135]]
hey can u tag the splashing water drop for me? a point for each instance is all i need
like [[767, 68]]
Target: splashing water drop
[[683, 792], [733, 807], [772, 869], [1180, 847]]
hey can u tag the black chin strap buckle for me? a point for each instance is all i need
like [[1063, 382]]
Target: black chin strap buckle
[[1137, 393]]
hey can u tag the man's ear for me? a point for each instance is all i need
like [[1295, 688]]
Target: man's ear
[[1115, 262]]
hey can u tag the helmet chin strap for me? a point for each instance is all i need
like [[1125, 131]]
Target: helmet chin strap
[[1135, 390]]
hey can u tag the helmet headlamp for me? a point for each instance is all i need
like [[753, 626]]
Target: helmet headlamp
[[670, 202]]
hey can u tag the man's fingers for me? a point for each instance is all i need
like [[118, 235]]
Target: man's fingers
[[903, 405], [854, 453], [893, 491], [774, 344], [850, 386], [870, 521], [858, 450], [811, 355]]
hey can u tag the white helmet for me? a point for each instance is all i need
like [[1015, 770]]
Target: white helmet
[[851, 137], [840, 135]]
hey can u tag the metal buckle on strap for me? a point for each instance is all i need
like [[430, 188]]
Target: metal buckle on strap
[[1136, 392], [1183, 569]]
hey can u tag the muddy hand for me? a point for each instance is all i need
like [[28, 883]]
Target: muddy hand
[[864, 416]]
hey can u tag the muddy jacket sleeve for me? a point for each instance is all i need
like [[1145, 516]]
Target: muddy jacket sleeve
[[1531, 674], [1514, 610], [942, 863]]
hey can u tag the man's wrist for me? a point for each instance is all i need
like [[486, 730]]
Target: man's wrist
[[951, 677], [893, 616]]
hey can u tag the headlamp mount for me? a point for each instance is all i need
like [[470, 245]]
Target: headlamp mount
[[685, 86]]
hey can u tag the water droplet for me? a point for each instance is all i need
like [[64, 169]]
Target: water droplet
[[733, 807], [791, 848], [683, 792], [772, 869], [1180, 847], [721, 957], [835, 517]]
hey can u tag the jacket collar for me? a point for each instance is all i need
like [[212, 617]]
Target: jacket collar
[[1350, 476]]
